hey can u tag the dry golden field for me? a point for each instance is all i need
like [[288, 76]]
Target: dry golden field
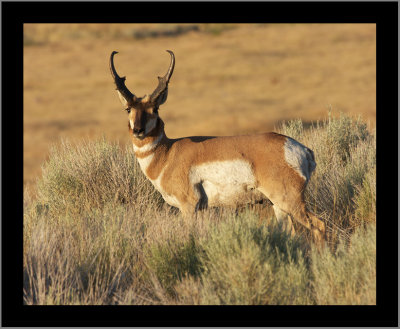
[[228, 79]]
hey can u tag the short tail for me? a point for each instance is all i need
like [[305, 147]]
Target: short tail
[[311, 161]]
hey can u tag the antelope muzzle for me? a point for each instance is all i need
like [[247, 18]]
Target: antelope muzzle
[[139, 126]]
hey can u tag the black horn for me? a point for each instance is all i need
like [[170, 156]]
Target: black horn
[[163, 81], [120, 82]]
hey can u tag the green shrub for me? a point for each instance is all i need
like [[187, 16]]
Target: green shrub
[[348, 276], [247, 262], [366, 198], [92, 174], [343, 133], [292, 128], [172, 260]]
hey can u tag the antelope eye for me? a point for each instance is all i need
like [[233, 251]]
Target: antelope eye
[[128, 110]]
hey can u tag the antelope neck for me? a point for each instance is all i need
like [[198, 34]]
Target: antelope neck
[[147, 146]]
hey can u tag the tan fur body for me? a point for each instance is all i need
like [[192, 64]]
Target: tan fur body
[[172, 160]]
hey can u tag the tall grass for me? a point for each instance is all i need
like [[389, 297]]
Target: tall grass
[[98, 233]]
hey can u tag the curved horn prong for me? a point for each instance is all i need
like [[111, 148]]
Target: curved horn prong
[[163, 81], [120, 82], [171, 66]]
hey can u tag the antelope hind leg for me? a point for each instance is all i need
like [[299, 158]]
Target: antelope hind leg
[[318, 229], [285, 220], [316, 222]]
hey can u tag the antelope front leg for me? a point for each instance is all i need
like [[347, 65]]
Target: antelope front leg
[[202, 204]]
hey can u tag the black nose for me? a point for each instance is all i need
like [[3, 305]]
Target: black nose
[[138, 130]]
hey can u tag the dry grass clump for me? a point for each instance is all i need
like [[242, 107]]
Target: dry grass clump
[[98, 233]]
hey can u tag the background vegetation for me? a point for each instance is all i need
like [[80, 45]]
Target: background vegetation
[[98, 233]]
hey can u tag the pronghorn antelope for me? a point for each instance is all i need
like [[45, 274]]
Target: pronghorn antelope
[[193, 173]]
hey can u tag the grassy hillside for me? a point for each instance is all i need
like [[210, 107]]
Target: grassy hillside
[[229, 78], [98, 232]]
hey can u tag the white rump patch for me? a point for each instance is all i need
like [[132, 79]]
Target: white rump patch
[[299, 158], [224, 182]]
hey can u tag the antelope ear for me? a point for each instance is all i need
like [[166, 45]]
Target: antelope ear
[[122, 99], [162, 98], [160, 94]]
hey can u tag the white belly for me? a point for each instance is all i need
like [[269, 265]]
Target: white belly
[[225, 182]]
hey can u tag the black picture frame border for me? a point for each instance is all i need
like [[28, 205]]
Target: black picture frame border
[[15, 14]]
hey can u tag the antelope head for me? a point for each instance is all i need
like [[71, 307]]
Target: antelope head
[[142, 111]]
